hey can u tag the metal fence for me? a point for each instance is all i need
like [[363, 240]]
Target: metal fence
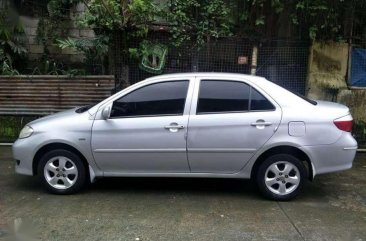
[[358, 67], [281, 61], [284, 62]]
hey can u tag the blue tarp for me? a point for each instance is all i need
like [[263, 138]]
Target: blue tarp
[[358, 67]]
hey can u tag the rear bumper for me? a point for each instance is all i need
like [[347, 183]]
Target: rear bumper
[[336, 157]]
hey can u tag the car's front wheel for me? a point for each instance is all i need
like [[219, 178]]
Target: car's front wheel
[[281, 177], [62, 172]]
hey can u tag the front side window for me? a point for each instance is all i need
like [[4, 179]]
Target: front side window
[[165, 98], [220, 96]]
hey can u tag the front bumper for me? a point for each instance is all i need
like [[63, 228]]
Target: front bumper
[[336, 157], [23, 156]]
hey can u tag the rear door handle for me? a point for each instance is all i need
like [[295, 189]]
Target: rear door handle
[[261, 124]]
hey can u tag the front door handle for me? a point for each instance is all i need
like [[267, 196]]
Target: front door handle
[[174, 127]]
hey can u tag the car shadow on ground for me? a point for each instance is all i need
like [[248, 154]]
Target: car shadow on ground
[[186, 186], [174, 185], [194, 186]]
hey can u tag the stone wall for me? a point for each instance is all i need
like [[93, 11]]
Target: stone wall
[[36, 50], [328, 80], [328, 64]]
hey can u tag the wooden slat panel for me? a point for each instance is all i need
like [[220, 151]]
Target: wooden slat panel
[[60, 94], [40, 95], [52, 98]]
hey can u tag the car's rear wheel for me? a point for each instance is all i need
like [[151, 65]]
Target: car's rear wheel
[[281, 177], [62, 172]]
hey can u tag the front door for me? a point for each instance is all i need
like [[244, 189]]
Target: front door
[[229, 124], [145, 132]]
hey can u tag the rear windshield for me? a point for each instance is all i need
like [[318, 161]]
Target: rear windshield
[[313, 102]]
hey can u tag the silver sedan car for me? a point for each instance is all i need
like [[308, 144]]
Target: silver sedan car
[[207, 125]]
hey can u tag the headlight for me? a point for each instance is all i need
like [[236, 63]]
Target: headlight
[[27, 131]]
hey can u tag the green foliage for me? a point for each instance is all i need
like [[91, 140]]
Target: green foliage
[[97, 47], [10, 126], [251, 14], [120, 15], [48, 67], [142, 50], [319, 19], [359, 131], [55, 23], [91, 46], [198, 21], [94, 49], [52, 67], [120, 21], [7, 68], [12, 44]]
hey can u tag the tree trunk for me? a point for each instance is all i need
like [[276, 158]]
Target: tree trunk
[[119, 55]]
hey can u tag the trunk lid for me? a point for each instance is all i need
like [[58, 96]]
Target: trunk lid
[[331, 109]]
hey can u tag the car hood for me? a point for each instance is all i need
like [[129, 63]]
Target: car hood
[[57, 116]]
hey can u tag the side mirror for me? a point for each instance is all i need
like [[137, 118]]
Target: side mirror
[[106, 112]]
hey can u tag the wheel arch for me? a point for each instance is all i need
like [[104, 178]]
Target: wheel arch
[[284, 149], [54, 146]]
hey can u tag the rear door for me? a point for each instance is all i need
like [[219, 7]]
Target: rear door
[[230, 121]]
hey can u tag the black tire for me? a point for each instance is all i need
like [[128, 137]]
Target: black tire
[[278, 158], [79, 180]]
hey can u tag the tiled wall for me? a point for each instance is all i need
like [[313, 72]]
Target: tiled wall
[[36, 50]]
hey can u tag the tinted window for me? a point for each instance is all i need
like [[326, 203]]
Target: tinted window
[[223, 96], [259, 102], [166, 98]]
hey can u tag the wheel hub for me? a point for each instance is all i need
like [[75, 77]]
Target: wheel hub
[[60, 172], [282, 178]]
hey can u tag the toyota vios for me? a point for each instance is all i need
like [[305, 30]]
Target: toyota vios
[[212, 125]]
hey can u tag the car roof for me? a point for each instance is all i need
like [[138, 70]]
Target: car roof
[[282, 96], [207, 74]]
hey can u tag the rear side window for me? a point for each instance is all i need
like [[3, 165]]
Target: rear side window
[[259, 102], [165, 98], [223, 96], [219, 96]]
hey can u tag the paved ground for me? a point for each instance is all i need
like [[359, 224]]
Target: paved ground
[[332, 208]]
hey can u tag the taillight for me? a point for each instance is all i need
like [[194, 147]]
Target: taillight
[[344, 123]]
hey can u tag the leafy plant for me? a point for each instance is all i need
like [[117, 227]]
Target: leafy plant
[[7, 69], [94, 49], [47, 67], [12, 44], [318, 19], [319, 16], [92, 46], [198, 21], [120, 15], [55, 23], [51, 67], [120, 21]]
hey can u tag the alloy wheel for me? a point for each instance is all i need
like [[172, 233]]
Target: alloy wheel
[[60, 172], [282, 178]]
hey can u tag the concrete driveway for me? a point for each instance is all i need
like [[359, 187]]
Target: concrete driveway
[[331, 208]]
